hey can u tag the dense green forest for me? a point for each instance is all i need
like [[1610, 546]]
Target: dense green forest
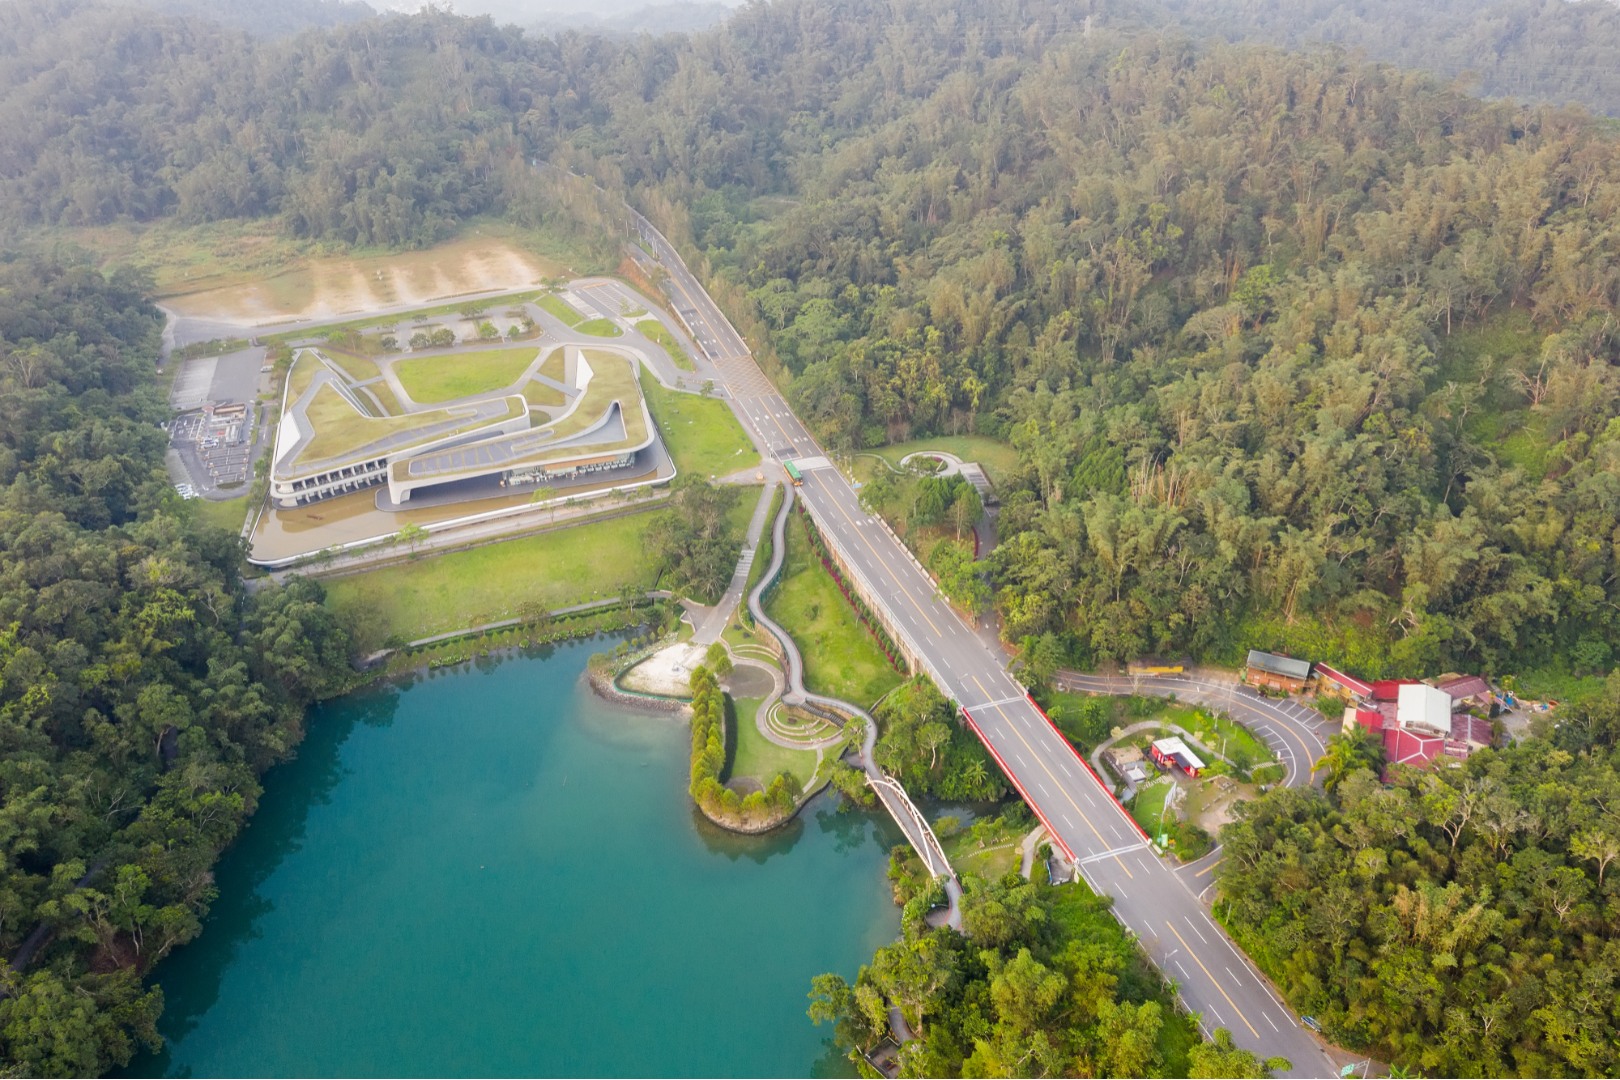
[[1457, 922], [142, 690]]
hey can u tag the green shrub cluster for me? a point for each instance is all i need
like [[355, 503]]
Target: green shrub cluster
[[723, 804]]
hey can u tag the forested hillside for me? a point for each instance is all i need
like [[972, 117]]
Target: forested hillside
[[1558, 51], [1458, 922], [142, 691]]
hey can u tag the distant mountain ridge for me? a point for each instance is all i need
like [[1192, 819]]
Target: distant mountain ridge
[[265, 18]]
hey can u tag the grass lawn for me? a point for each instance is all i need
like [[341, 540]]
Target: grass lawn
[[385, 396], [840, 658], [431, 380], [359, 368], [543, 396], [1148, 806], [659, 334], [1063, 708], [555, 366], [702, 434], [227, 515], [988, 857], [998, 459], [465, 588], [600, 328], [758, 757], [559, 307]]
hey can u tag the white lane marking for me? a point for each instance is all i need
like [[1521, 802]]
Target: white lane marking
[[1268, 1019], [1234, 977], [1111, 853], [1197, 931]]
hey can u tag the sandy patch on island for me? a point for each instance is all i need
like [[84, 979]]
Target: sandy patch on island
[[667, 671]]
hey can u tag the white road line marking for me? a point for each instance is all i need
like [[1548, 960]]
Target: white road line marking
[[1195, 930], [1234, 977], [1274, 1027], [1111, 853]]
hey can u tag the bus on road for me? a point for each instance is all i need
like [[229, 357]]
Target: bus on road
[[793, 474]]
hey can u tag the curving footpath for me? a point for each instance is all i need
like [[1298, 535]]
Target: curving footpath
[[889, 791]]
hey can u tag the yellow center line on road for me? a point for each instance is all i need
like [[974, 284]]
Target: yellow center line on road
[[1212, 978], [1208, 868], [1042, 763]]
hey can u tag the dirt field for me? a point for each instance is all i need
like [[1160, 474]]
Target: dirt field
[[319, 288]]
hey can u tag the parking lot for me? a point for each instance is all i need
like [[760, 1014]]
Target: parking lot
[[216, 447]]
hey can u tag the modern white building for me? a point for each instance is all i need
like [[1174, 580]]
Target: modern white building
[[333, 441]]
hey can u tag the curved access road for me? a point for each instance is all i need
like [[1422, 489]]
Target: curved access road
[[1297, 733]]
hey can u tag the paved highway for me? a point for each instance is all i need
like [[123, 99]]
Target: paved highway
[[1153, 901]]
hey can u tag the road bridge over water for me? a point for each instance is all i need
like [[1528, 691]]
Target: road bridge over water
[[1215, 979]]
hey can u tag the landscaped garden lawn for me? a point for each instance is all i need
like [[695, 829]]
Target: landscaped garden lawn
[[758, 757], [600, 328], [559, 307], [339, 429], [841, 659], [657, 333], [431, 380], [702, 434], [999, 459], [438, 593]]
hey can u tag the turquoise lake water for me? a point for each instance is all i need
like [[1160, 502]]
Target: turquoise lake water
[[492, 872]]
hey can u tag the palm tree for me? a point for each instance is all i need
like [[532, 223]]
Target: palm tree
[[1347, 752]]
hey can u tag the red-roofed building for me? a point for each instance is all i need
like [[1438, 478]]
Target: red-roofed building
[[1337, 683], [1389, 689], [1471, 731], [1403, 747], [1469, 692], [1371, 719]]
